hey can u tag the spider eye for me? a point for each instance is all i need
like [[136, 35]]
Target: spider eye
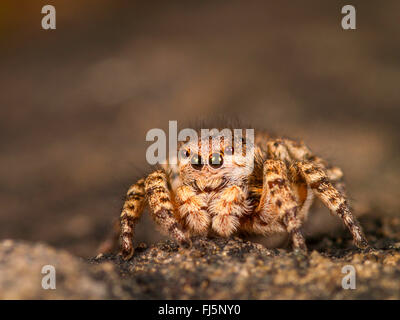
[[216, 160], [185, 153], [229, 151], [196, 162]]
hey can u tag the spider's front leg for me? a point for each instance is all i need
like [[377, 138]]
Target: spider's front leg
[[278, 199], [161, 206], [155, 189]]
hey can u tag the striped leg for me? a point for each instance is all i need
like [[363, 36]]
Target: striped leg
[[335, 175], [278, 198], [288, 151], [300, 152], [131, 212], [161, 206], [318, 180]]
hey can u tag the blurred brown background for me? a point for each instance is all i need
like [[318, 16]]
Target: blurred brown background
[[76, 102]]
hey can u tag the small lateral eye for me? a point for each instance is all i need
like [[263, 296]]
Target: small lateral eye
[[229, 151], [185, 153]]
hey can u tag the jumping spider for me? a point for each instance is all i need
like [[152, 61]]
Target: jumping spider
[[205, 194]]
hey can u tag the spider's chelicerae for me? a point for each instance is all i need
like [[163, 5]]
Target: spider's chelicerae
[[219, 190]]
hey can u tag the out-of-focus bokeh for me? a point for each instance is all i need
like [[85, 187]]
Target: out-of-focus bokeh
[[76, 102]]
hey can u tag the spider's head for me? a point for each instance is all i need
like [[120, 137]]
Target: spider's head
[[214, 160]]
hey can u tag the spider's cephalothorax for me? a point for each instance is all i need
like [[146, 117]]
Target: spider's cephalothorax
[[219, 187]]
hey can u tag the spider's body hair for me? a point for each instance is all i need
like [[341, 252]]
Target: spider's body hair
[[266, 192]]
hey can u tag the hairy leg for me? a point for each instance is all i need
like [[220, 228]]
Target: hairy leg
[[161, 206], [289, 151], [279, 199], [131, 212], [318, 180], [294, 151], [298, 151]]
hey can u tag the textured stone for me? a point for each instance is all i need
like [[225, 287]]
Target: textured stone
[[211, 269]]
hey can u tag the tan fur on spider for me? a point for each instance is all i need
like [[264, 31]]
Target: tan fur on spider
[[207, 194]]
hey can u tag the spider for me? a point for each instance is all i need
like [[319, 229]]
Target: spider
[[215, 191]]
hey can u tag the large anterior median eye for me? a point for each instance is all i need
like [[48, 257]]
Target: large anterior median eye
[[196, 162], [216, 160]]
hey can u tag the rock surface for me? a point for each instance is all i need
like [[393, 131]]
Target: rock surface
[[211, 269], [21, 273]]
